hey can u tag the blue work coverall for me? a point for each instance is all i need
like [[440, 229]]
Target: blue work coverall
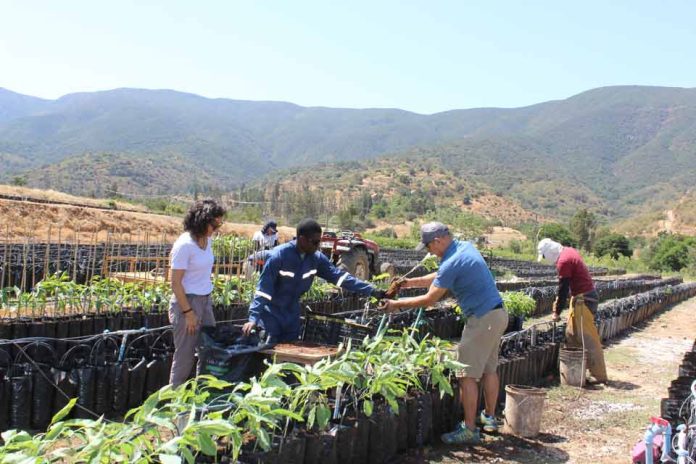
[[285, 277]]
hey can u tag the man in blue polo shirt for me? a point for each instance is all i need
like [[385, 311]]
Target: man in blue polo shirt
[[464, 272], [287, 274]]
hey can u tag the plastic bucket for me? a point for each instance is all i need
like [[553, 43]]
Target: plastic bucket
[[523, 409], [573, 366]]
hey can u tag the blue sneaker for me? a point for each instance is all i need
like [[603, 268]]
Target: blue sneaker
[[461, 436], [490, 425]]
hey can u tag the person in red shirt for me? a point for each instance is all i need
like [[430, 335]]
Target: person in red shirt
[[574, 278]]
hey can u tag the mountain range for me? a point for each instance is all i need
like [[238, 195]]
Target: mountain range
[[617, 150]]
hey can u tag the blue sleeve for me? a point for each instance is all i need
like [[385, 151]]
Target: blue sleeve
[[444, 278], [265, 287], [330, 273]]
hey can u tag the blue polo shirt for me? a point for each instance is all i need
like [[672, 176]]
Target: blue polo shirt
[[286, 275], [464, 272]]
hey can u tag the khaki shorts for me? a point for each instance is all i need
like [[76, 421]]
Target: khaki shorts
[[480, 343]]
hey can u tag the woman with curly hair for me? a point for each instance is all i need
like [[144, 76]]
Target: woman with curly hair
[[191, 267]]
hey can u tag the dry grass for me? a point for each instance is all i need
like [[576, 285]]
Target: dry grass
[[52, 195], [37, 221]]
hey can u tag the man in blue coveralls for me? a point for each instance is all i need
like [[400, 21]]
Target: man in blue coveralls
[[464, 273], [288, 273]]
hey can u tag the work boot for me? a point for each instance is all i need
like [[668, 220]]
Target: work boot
[[489, 423], [462, 436]]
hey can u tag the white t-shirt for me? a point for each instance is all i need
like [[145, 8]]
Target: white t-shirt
[[198, 264], [264, 241]]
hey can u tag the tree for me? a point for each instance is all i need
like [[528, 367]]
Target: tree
[[672, 252], [19, 181], [614, 245], [582, 226], [557, 233]]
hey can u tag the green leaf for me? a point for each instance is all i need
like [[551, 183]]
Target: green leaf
[[216, 427], [188, 455], [311, 417], [169, 459], [323, 416], [207, 444], [54, 431], [287, 413], [367, 407], [264, 439]]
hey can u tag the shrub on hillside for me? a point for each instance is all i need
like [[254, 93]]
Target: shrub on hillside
[[558, 233], [672, 252], [613, 245]]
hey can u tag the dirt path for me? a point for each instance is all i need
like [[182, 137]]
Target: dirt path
[[598, 425]]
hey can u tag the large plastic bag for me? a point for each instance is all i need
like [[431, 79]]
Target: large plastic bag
[[226, 354]]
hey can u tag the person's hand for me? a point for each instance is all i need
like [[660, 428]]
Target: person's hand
[[555, 317], [404, 283], [388, 306], [191, 322], [248, 327], [394, 288]]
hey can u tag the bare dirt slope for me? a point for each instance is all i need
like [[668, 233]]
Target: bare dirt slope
[[601, 424], [25, 220], [502, 236]]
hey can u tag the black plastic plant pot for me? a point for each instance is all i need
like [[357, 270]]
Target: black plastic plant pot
[[127, 322], [50, 326], [136, 384], [113, 322], [62, 327], [402, 428], [292, 448], [440, 415], [20, 399], [361, 443], [87, 325], [456, 412], [99, 324], [103, 389], [345, 433], [157, 375], [86, 392], [320, 449], [419, 410], [152, 320], [5, 394], [377, 444], [67, 383], [19, 329], [390, 429], [42, 397], [74, 328], [119, 375], [5, 329], [36, 329]]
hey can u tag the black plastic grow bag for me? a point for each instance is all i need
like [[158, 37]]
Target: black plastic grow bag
[[237, 361]]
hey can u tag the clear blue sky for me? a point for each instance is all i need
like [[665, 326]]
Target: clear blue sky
[[423, 56]]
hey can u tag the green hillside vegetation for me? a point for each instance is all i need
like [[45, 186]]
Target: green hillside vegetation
[[356, 194], [110, 175], [618, 151]]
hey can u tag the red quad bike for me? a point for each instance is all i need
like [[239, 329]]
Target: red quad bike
[[355, 254]]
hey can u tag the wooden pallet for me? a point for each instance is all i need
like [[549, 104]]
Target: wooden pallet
[[300, 352]]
